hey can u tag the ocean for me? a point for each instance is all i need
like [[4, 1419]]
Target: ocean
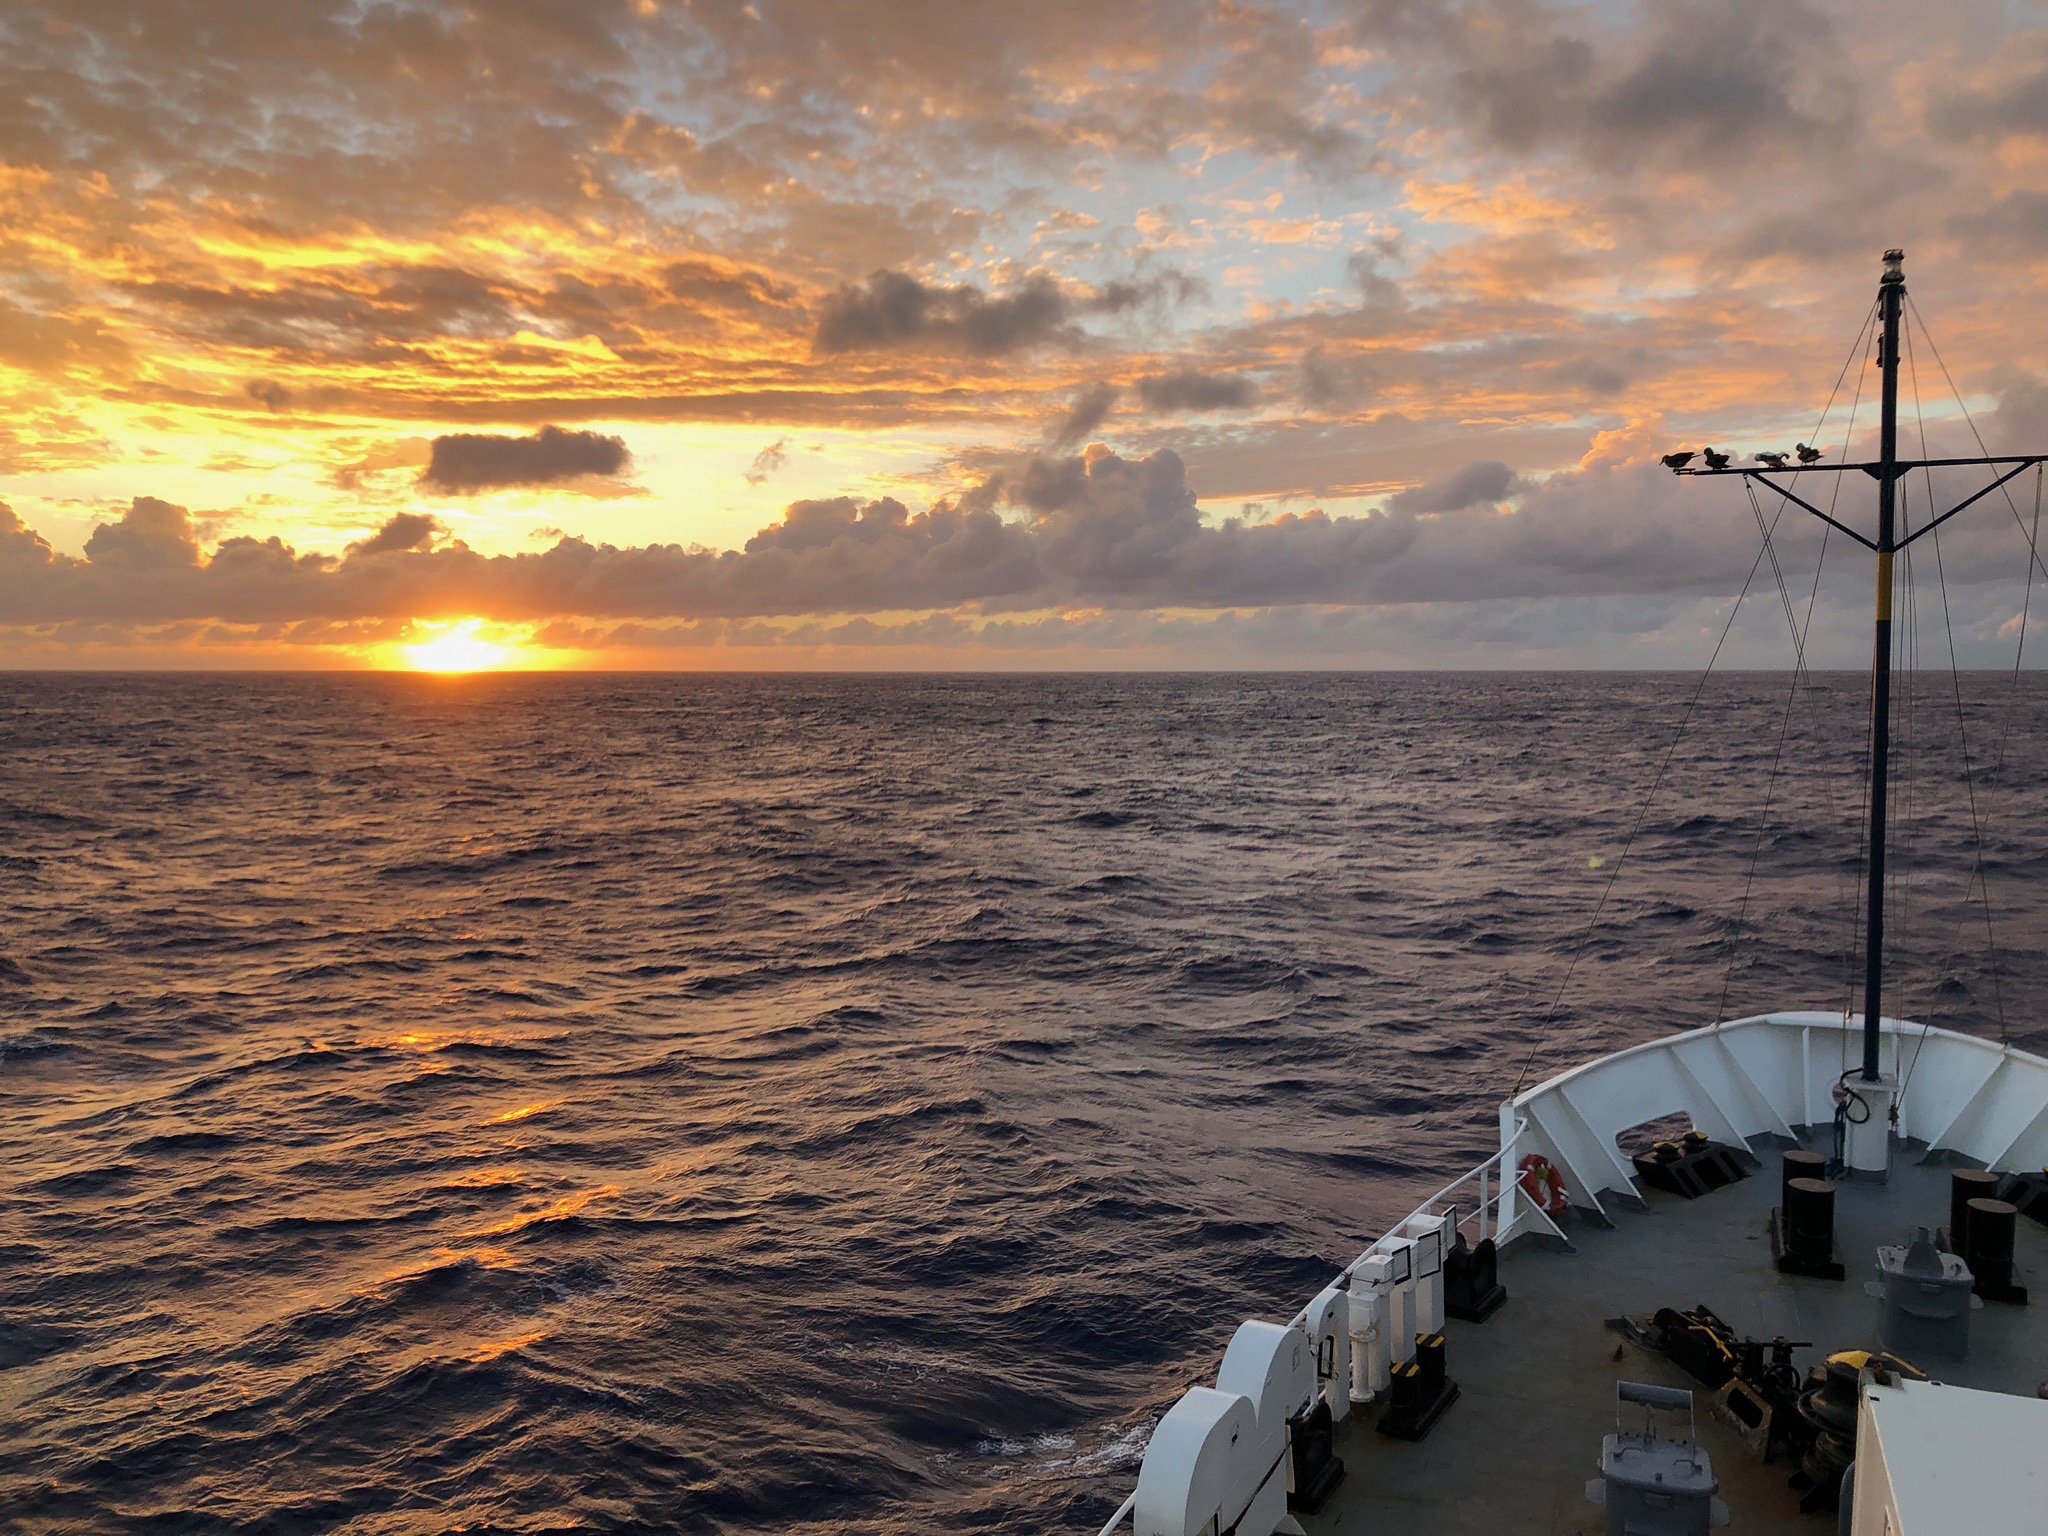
[[840, 1104]]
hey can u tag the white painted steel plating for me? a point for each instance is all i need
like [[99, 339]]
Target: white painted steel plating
[[1759, 1076], [1928, 1453], [1766, 1075]]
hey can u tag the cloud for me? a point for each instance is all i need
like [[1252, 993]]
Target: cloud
[[2003, 102], [768, 461], [269, 394], [1089, 409], [402, 531], [301, 242], [466, 462], [1191, 390], [1339, 380], [2014, 224], [1483, 480], [152, 536], [1375, 287], [1696, 85], [895, 311], [1053, 535], [2020, 422]]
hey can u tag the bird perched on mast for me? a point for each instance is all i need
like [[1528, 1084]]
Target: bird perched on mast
[[1807, 455], [1771, 460], [1678, 460], [1716, 460]]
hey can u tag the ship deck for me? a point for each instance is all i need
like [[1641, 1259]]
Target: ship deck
[[1515, 1452]]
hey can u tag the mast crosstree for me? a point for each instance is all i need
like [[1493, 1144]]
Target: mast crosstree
[[1887, 469]]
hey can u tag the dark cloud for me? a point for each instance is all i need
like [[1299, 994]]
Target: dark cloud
[[2013, 225], [1334, 379], [894, 310], [1192, 390], [2016, 107], [152, 536], [361, 216], [1093, 530], [1365, 268], [370, 312], [724, 285], [402, 531], [1696, 85], [466, 462], [2020, 423], [1089, 410], [768, 462], [1483, 480]]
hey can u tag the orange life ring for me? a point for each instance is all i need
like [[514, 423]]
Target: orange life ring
[[1544, 1184]]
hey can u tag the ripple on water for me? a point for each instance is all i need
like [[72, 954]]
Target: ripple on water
[[731, 1104]]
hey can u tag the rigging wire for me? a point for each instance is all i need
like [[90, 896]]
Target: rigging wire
[[2020, 649], [1861, 344], [1802, 677], [1642, 813], [2032, 535], [1903, 885], [1864, 339], [1978, 878], [2033, 539], [1909, 779], [1799, 675], [1852, 930]]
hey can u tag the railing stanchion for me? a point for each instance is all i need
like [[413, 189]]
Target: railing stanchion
[[1510, 1132], [1128, 1507]]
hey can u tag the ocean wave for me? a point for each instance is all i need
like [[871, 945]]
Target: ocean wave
[[823, 1104]]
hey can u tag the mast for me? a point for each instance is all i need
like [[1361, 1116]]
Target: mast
[[1866, 1148], [1891, 295]]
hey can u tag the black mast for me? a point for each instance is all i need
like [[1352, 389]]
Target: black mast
[[1887, 470], [1891, 298]]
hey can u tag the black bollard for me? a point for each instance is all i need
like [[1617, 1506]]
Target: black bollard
[[1472, 1288], [1965, 1185], [1800, 1165], [1808, 1230], [1420, 1391], [1990, 1224]]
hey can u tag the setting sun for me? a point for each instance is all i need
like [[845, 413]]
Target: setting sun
[[456, 648]]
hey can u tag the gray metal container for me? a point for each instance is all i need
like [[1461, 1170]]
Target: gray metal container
[[1926, 1300], [1653, 1487]]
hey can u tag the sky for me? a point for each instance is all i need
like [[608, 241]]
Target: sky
[[941, 334]]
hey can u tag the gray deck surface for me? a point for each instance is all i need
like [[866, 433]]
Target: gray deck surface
[[1516, 1450]]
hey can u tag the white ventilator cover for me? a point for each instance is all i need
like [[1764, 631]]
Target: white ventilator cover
[[1276, 1368], [1867, 1141], [1370, 1367], [1199, 1472], [1400, 1327], [1328, 1321], [1432, 1238]]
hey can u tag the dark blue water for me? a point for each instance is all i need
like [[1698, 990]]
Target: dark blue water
[[830, 1104]]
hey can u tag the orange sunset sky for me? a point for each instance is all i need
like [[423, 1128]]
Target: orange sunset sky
[[924, 333]]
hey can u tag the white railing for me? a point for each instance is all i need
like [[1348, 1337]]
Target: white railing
[[1736, 1081], [1494, 1209], [1124, 1512], [1770, 1075], [1497, 1192]]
